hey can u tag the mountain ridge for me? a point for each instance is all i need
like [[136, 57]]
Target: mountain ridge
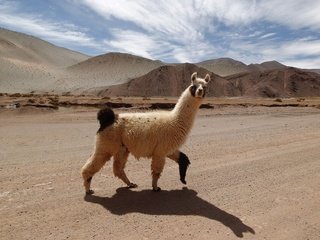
[[31, 64]]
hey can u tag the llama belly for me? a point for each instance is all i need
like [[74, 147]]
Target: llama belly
[[149, 145], [139, 146], [140, 151], [151, 134]]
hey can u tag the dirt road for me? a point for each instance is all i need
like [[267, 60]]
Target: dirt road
[[254, 174]]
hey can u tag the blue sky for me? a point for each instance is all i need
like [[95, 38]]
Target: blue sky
[[251, 31]]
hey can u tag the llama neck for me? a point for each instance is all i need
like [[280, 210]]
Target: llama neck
[[186, 108]]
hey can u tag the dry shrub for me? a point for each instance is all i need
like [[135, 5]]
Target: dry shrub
[[53, 100], [15, 95]]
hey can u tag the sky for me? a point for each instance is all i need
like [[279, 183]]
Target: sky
[[251, 31]]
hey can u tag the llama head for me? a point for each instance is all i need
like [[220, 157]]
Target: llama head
[[198, 86]]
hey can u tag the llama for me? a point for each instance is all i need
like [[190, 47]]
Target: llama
[[155, 135]]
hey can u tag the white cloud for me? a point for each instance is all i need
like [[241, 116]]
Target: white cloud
[[311, 63], [267, 35], [231, 13], [181, 28], [135, 43], [155, 47], [301, 53], [58, 32], [174, 29], [176, 19], [298, 48], [184, 15], [184, 30], [295, 14]]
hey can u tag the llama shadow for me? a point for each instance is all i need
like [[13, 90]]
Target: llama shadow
[[175, 202]]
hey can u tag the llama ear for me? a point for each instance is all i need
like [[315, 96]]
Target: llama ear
[[207, 78], [193, 77]]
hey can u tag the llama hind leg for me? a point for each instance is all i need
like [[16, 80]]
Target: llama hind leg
[[183, 161], [157, 165], [119, 163], [92, 166]]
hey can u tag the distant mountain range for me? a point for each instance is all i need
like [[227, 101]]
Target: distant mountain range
[[31, 64]]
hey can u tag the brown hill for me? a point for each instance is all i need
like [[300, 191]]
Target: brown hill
[[28, 63], [224, 66], [26, 48], [168, 80], [110, 69], [228, 66], [265, 66], [288, 82]]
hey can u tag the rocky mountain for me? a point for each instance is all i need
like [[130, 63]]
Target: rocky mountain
[[223, 66], [287, 82], [171, 80], [168, 80], [265, 66]]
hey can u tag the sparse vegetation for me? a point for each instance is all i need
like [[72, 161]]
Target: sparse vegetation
[[66, 94], [31, 100], [15, 95], [301, 99]]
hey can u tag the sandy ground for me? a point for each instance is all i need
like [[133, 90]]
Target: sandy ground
[[254, 174]]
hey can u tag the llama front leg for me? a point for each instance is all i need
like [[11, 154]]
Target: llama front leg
[[119, 163], [183, 161], [157, 165], [92, 166]]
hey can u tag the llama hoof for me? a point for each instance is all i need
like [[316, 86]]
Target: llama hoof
[[156, 189], [132, 185], [183, 181], [89, 192]]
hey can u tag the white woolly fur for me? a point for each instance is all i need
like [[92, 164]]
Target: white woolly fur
[[155, 135]]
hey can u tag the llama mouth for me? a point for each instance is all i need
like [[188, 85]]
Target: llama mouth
[[200, 96]]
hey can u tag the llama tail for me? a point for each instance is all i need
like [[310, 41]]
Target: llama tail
[[106, 118]]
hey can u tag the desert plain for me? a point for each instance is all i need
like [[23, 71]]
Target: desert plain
[[254, 174]]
